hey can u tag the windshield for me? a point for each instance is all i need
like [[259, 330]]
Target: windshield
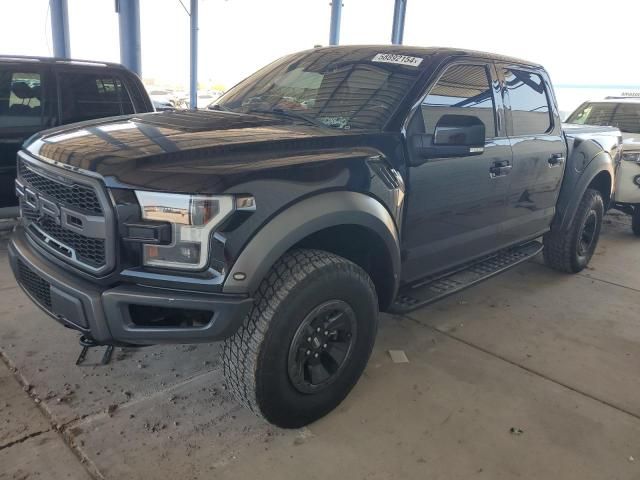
[[345, 89], [625, 116]]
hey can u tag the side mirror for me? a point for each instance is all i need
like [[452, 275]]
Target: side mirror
[[454, 136]]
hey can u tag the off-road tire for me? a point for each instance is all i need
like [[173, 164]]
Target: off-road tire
[[635, 220], [561, 248], [255, 357]]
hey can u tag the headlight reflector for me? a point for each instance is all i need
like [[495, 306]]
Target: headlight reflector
[[192, 217], [631, 156]]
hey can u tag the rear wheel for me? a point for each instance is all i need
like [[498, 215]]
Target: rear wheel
[[635, 220], [570, 251], [306, 340]]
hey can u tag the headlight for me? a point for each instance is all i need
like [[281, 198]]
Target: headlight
[[631, 156], [192, 217]]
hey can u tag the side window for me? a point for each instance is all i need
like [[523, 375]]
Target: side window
[[627, 117], [530, 110], [85, 96], [461, 90], [20, 98]]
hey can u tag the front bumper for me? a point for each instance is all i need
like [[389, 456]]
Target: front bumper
[[104, 314]]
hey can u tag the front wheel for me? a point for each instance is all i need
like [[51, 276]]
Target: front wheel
[[635, 220], [572, 250], [306, 340]]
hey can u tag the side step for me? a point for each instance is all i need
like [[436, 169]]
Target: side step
[[436, 287]]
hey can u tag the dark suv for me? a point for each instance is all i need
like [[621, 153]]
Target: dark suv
[[39, 93], [327, 186]]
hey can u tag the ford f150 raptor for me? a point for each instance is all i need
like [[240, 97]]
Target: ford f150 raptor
[[330, 185]]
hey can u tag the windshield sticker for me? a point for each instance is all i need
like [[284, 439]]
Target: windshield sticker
[[398, 59], [336, 122]]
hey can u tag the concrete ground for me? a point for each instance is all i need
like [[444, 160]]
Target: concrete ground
[[533, 375]]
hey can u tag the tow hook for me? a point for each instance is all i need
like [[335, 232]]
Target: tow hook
[[86, 343]]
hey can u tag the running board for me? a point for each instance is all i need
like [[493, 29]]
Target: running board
[[436, 287]]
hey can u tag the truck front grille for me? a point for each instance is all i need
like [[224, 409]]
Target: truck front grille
[[52, 196], [82, 197], [38, 288], [90, 251]]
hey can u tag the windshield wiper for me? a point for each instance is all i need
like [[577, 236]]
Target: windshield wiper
[[288, 113]]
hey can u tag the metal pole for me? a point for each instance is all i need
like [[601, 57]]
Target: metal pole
[[336, 11], [397, 31], [129, 23], [193, 90], [60, 28]]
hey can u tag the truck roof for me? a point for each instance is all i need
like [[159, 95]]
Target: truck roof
[[412, 50], [57, 61]]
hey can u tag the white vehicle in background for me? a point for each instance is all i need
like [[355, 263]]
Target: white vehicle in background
[[162, 100], [206, 98], [181, 99], [624, 113]]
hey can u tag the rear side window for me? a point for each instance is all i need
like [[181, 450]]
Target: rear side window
[[461, 90], [21, 99], [85, 96], [530, 110]]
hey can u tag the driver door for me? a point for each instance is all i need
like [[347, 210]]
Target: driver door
[[455, 205]]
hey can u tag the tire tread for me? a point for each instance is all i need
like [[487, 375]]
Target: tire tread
[[558, 245], [241, 352]]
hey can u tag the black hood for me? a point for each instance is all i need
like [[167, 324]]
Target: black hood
[[175, 150]]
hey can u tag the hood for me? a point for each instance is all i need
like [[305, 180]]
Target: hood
[[142, 150]]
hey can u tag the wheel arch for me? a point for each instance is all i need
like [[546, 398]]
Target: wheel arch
[[598, 174], [353, 225], [603, 183]]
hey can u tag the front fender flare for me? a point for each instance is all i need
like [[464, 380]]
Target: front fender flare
[[303, 219]]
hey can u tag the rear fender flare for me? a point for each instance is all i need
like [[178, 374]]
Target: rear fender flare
[[574, 186]]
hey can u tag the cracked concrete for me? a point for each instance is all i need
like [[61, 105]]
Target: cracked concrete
[[555, 357]]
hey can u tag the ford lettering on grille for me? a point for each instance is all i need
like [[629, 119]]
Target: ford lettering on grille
[[65, 216], [91, 226]]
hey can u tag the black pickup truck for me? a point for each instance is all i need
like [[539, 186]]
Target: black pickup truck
[[330, 185]]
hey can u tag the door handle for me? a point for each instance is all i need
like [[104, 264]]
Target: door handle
[[500, 168], [556, 160]]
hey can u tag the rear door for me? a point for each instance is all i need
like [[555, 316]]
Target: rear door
[[455, 205], [539, 151]]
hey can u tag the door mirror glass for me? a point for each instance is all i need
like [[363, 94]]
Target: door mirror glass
[[454, 136], [460, 130]]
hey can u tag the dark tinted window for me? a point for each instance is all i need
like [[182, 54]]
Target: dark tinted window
[[21, 99], [625, 116], [87, 95], [462, 90], [529, 105], [337, 88]]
